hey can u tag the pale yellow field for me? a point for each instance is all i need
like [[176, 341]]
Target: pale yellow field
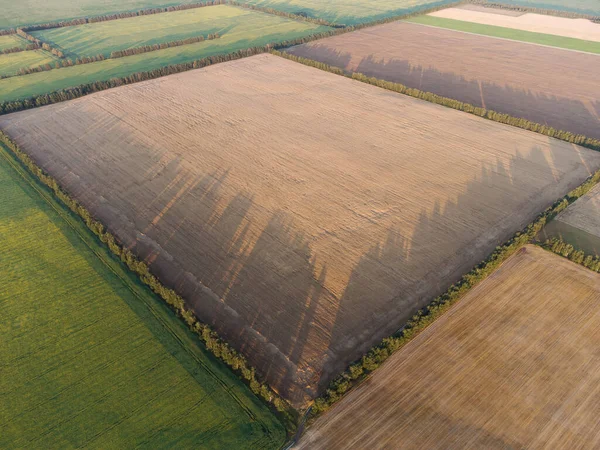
[[515, 364], [303, 214], [538, 23]]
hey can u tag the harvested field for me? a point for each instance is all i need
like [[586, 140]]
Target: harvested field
[[239, 29], [32, 12], [89, 357], [550, 40], [11, 41], [106, 37], [11, 63], [524, 80], [349, 12], [560, 26], [304, 234], [579, 224], [515, 364]]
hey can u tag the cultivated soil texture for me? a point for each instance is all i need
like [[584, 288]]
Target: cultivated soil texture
[[546, 85], [92, 359], [579, 224], [302, 214], [538, 23], [515, 364]]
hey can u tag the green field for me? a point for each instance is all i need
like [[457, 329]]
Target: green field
[[509, 33], [248, 29], [106, 37], [349, 12], [580, 6], [11, 41], [29, 12], [89, 357], [10, 63]]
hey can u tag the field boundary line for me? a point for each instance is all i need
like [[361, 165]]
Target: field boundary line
[[561, 248], [59, 208], [533, 9], [501, 38]]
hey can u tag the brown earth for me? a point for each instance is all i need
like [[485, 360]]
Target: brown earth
[[303, 214], [551, 86], [515, 364]]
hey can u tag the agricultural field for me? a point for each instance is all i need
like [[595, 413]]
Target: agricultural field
[[551, 86], [591, 7], [90, 358], [302, 214], [579, 224], [512, 365], [349, 12], [31, 12], [106, 37], [11, 41], [242, 30], [10, 63], [582, 29]]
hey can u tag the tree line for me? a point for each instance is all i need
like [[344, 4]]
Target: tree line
[[162, 46], [560, 247], [532, 9], [217, 346], [43, 45], [359, 370], [506, 119], [28, 47]]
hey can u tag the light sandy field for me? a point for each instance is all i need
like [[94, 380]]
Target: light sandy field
[[545, 85], [579, 224], [515, 364], [303, 214], [538, 23]]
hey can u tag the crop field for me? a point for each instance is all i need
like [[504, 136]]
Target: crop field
[[92, 359], [520, 79], [512, 365], [303, 214], [10, 63], [248, 29], [578, 225], [591, 7], [11, 41], [349, 12], [106, 37], [559, 26], [550, 40], [32, 12]]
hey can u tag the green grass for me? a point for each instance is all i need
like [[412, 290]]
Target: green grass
[[91, 358], [591, 7], [10, 63], [29, 12], [106, 37], [349, 12], [509, 33], [247, 29], [12, 41]]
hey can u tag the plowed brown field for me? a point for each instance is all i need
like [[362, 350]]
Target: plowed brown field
[[515, 364], [547, 85], [303, 214]]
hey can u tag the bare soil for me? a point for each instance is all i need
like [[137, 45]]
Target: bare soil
[[515, 364], [302, 214], [551, 86]]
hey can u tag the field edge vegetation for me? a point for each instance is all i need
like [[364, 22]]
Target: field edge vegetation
[[216, 346]]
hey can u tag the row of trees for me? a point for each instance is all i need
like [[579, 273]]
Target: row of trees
[[531, 9], [358, 371], [561, 248], [211, 340], [28, 47], [155, 47], [454, 104], [56, 65], [124, 15], [44, 45]]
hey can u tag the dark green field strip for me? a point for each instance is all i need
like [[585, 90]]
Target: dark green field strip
[[92, 357]]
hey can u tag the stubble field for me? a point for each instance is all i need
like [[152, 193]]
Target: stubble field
[[303, 214], [89, 357], [515, 364], [545, 85]]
